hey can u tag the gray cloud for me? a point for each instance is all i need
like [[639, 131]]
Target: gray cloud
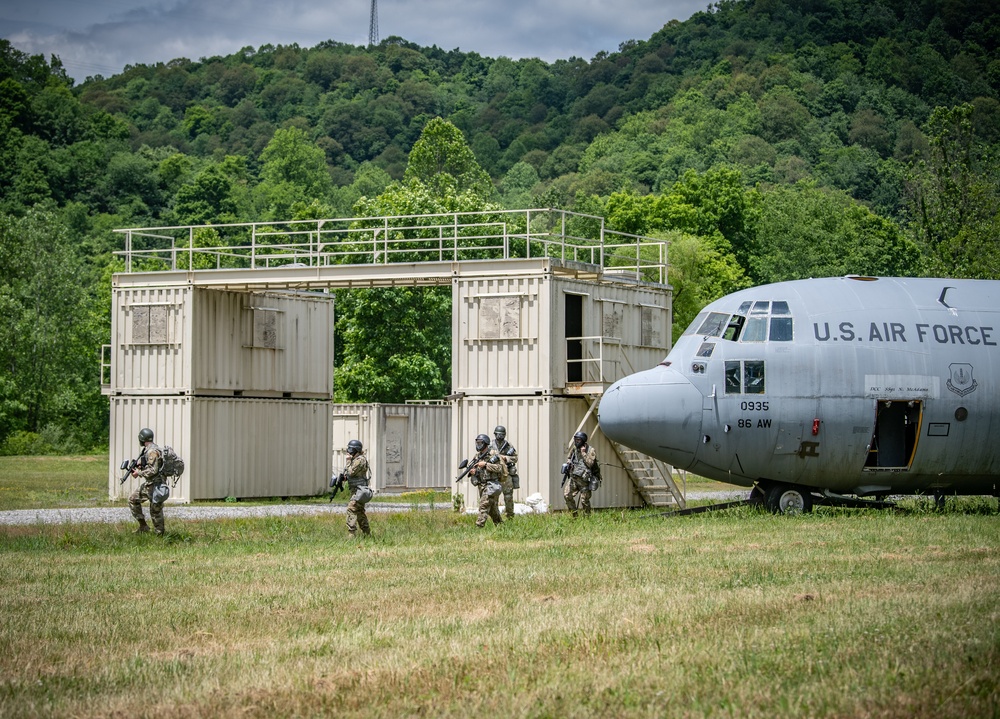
[[103, 36]]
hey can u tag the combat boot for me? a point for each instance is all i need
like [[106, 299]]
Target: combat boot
[[143, 527]]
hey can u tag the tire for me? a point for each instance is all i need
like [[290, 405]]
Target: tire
[[788, 499]]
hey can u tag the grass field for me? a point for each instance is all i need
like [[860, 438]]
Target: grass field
[[841, 613]]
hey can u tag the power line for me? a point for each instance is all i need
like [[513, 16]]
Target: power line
[[373, 25]]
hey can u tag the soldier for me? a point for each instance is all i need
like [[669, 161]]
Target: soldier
[[583, 474], [357, 474], [508, 455], [487, 473], [154, 485]]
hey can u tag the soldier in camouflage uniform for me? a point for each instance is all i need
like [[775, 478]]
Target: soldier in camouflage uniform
[[584, 474], [487, 473], [508, 455], [357, 475], [150, 469]]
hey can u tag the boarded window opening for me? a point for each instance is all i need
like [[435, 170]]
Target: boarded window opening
[[499, 318], [150, 325]]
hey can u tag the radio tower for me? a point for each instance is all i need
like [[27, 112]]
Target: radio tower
[[373, 25]]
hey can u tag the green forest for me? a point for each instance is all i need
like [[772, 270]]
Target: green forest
[[766, 140]]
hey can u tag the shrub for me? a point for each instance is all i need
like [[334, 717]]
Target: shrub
[[25, 443]]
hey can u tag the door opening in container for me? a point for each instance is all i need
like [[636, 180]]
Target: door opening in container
[[574, 335]]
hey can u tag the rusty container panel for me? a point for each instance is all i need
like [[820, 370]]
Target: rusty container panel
[[233, 452], [541, 429]]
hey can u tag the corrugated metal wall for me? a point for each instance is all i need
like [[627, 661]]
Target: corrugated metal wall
[[228, 444], [170, 420], [245, 456], [407, 444], [500, 326], [230, 353], [541, 429], [150, 352], [509, 334], [203, 341]]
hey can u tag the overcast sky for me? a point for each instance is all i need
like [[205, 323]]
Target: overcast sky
[[100, 37]]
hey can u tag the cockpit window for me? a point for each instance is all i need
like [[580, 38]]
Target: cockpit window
[[756, 330], [746, 377], [733, 328], [755, 321], [695, 323], [713, 324], [706, 349], [734, 377], [781, 329], [753, 377]]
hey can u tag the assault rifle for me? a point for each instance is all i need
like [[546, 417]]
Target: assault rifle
[[470, 464], [127, 466], [565, 474], [130, 465], [337, 484]]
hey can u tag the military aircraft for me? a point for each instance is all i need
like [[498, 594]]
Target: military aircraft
[[828, 389]]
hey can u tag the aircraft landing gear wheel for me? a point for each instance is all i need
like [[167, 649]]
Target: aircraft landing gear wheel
[[783, 499]]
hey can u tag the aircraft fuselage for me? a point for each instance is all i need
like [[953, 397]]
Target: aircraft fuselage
[[854, 385]]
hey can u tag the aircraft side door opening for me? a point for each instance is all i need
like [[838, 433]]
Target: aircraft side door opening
[[895, 435]]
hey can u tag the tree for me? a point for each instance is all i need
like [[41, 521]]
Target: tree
[[956, 201], [49, 331], [699, 274], [806, 231], [293, 170], [442, 153], [394, 344]]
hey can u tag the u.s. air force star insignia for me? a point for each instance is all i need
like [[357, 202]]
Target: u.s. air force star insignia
[[962, 382]]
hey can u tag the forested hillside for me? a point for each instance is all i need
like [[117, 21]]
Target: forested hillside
[[766, 139]]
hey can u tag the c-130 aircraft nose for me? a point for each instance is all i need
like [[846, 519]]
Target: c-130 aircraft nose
[[657, 412]]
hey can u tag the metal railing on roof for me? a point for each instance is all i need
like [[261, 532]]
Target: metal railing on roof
[[442, 237]]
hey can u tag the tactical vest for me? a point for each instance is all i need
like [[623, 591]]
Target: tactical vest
[[577, 467], [158, 475], [357, 471]]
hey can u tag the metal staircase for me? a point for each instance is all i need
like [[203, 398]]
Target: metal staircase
[[652, 478]]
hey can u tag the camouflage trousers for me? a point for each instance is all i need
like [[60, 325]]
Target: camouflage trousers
[[576, 492], [507, 486], [489, 505], [135, 501], [356, 515]]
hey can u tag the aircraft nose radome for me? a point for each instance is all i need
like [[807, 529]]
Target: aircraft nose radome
[[657, 412]]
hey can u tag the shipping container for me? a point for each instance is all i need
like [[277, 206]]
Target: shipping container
[[407, 445], [230, 445], [197, 341], [551, 334]]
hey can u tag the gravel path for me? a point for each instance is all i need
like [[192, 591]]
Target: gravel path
[[121, 515], [113, 515]]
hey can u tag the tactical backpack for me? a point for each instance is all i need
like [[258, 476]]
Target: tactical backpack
[[173, 465]]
